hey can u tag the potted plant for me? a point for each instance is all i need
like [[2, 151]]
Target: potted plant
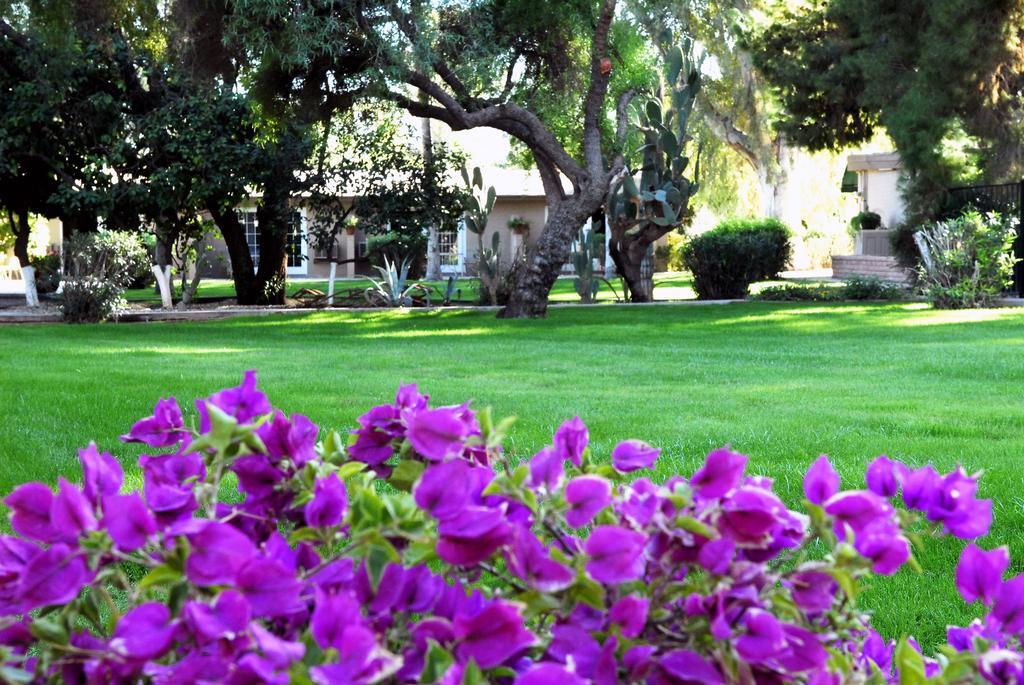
[[519, 225], [351, 223]]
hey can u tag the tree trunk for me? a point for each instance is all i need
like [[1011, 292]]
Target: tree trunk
[[242, 271], [22, 232], [274, 218], [629, 263], [433, 252], [544, 259]]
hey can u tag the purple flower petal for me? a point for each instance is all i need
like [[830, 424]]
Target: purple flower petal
[[330, 500], [128, 521], [492, 636], [547, 469], [571, 439], [586, 496], [979, 574], [633, 455], [53, 577], [616, 554], [71, 512], [762, 637], [101, 473], [882, 476], [219, 551], [144, 633], [821, 481], [630, 613], [163, 429], [690, 668], [31, 504], [721, 472]]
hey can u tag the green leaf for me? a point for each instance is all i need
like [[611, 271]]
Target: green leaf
[[692, 525], [491, 197], [472, 675], [845, 581], [654, 112], [222, 426], [910, 664], [304, 534], [629, 185], [15, 676], [161, 575], [406, 474], [50, 630], [478, 177], [436, 664]]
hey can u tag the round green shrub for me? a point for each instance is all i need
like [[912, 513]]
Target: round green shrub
[[727, 259]]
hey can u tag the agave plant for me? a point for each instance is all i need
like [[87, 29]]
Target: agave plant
[[391, 290]]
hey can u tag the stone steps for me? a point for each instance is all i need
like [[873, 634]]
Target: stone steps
[[868, 266]]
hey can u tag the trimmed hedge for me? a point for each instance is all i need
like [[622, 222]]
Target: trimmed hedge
[[727, 259]]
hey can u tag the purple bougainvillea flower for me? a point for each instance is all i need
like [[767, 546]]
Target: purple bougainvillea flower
[[30, 506], [52, 577], [571, 439], [286, 438], [444, 489], [372, 446], [280, 653], [876, 653], [586, 496], [170, 504], [640, 502], [71, 513], [821, 481], [144, 633], [173, 469], [762, 637], [492, 636], [226, 618], [219, 551], [630, 613], [257, 477], [882, 476], [716, 555], [163, 429], [549, 674], [1008, 610], [243, 402], [473, 536], [920, 487], [882, 542], [1001, 666], [856, 509], [547, 469], [332, 613], [330, 500], [979, 574], [616, 554], [437, 434], [803, 652], [408, 396], [101, 473], [813, 591], [722, 471], [529, 559], [128, 521], [749, 515], [689, 668], [633, 455], [270, 588], [971, 522]]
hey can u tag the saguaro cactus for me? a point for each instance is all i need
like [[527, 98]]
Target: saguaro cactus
[[641, 211]]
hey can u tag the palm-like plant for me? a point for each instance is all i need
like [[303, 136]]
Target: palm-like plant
[[391, 290]]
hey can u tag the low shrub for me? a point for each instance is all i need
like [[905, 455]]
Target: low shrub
[[794, 292], [865, 221], [904, 248], [966, 261], [871, 288], [468, 568], [48, 273], [98, 267], [727, 259], [855, 288]]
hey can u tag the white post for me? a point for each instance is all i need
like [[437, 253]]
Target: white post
[[330, 283], [163, 281], [350, 252], [28, 275], [609, 265], [433, 256]]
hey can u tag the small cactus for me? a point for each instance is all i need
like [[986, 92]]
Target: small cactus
[[587, 282]]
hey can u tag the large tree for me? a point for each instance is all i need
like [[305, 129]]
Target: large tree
[[930, 71], [479, 64]]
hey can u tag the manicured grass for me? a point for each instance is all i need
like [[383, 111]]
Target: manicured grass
[[781, 382], [667, 287]]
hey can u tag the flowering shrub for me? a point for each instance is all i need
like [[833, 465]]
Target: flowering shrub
[[465, 568]]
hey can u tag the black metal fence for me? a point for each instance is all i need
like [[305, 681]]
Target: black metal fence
[[1006, 198]]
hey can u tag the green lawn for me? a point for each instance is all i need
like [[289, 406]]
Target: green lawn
[[668, 286], [781, 382]]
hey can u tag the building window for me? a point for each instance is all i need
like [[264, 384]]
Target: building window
[[295, 245]]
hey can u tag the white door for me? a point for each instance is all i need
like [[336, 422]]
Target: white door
[[297, 246], [451, 249]]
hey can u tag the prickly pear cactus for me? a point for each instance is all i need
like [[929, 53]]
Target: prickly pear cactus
[[586, 282], [653, 197]]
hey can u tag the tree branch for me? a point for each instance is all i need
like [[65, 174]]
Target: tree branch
[[724, 130], [594, 100]]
